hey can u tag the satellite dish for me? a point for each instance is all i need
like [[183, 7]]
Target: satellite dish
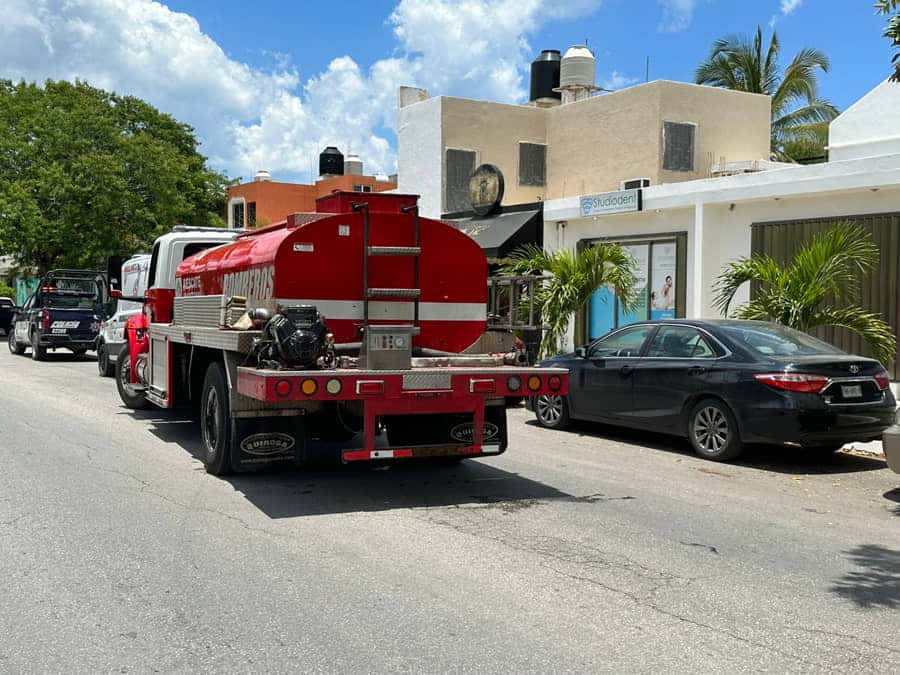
[[486, 189]]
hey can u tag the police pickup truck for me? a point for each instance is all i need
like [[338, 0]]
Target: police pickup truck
[[63, 313], [7, 312]]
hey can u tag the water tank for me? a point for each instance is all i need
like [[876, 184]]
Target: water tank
[[545, 78], [331, 162], [353, 166], [578, 68], [262, 175]]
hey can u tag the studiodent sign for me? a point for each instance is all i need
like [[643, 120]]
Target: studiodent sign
[[622, 201]]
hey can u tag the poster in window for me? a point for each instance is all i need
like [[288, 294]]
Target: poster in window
[[638, 312], [602, 312], [662, 282]]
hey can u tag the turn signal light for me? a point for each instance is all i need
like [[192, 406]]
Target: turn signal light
[[800, 382], [370, 387], [883, 379], [309, 387], [534, 383]]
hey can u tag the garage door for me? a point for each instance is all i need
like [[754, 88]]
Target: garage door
[[781, 240]]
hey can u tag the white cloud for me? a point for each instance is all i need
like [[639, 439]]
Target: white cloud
[[617, 80], [677, 15], [251, 118], [790, 6]]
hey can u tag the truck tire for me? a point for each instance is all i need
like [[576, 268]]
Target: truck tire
[[38, 353], [132, 398], [106, 368], [14, 346], [215, 421]]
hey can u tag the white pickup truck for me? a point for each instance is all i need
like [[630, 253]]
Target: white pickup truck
[[133, 283]]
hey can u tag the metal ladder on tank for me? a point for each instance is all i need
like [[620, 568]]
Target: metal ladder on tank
[[414, 251]]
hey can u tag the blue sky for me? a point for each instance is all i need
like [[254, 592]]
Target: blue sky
[[268, 83]]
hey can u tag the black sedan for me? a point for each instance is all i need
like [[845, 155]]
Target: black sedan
[[723, 384]]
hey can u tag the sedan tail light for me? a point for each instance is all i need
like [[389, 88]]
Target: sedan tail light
[[883, 379], [45, 319], [800, 382]]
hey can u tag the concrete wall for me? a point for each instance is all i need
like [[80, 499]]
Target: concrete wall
[[494, 131], [592, 145], [598, 142], [419, 154], [869, 127], [731, 125]]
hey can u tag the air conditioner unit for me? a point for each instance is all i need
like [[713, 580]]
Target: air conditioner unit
[[634, 184]]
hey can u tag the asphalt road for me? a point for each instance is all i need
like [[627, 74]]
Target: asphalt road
[[591, 550]]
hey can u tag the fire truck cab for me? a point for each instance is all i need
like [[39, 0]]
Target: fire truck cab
[[359, 329]]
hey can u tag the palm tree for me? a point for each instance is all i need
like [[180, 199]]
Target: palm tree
[[799, 116], [820, 287], [891, 9], [574, 277]]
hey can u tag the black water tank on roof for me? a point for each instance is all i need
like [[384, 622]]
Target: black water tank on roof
[[545, 75], [331, 162]]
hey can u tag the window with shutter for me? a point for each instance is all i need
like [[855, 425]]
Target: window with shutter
[[458, 169], [532, 164], [678, 140]]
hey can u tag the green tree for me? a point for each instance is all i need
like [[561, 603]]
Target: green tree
[[85, 173], [6, 291], [820, 287], [574, 276], [799, 116], [891, 9]]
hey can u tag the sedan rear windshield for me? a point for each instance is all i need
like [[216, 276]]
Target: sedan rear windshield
[[777, 340]]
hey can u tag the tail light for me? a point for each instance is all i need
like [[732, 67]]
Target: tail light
[[370, 387], [883, 379], [555, 383], [804, 383], [482, 386], [45, 319]]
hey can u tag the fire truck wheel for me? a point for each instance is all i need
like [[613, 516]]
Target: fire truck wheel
[[106, 368], [214, 422], [131, 396], [38, 353]]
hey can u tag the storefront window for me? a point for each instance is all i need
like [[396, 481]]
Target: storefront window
[[656, 274]]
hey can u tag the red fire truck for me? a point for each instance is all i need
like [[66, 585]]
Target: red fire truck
[[360, 328]]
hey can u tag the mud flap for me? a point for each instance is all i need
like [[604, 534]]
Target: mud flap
[[267, 442]]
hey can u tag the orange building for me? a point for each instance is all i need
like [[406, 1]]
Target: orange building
[[264, 201]]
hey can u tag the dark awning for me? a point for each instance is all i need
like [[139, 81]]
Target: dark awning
[[500, 235]]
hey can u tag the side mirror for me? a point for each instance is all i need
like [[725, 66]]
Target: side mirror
[[581, 352]]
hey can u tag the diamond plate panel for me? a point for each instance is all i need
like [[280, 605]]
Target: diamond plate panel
[[415, 381]]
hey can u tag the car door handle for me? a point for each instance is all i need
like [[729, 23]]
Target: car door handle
[[696, 370], [625, 371]]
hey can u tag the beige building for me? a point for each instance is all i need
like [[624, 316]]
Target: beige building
[[660, 132]]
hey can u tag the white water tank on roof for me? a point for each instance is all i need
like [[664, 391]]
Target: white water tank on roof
[[262, 175], [353, 165], [578, 68]]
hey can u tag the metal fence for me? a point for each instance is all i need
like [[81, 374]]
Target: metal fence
[[781, 240]]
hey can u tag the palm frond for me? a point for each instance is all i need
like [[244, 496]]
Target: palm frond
[[869, 326], [574, 277], [760, 269]]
